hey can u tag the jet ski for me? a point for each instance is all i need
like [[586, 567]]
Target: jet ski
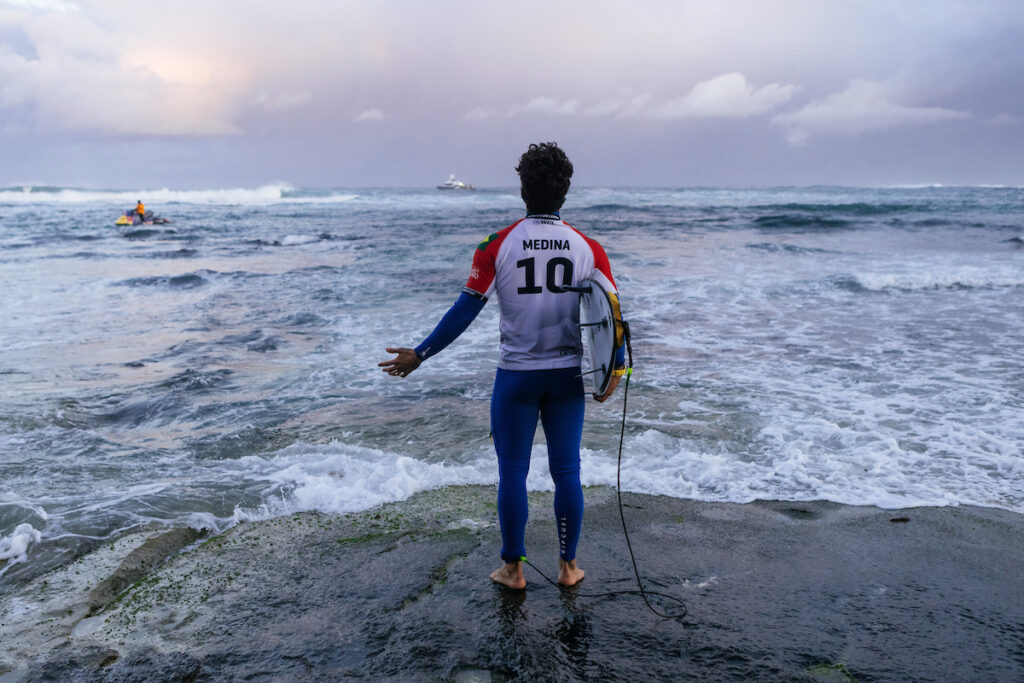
[[131, 217]]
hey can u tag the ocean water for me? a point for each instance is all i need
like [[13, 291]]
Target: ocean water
[[858, 345]]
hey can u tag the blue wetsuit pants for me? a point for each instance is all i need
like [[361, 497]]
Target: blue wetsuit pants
[[519, 398]]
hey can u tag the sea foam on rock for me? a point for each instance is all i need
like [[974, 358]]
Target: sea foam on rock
[[14, 548]]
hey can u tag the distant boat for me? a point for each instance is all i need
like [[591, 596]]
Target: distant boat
[[453, 184]]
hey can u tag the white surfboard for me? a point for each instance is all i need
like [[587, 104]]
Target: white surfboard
[[600, 322]]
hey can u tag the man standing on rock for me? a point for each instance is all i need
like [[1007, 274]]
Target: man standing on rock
[[531, 266]]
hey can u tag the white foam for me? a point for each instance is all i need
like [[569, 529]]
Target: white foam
[[275, 193], [8, 497], [965, 276], [14, 548], [340, 478], [859, 451], [295, 240]]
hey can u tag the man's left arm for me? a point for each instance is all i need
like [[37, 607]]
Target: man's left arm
[[454, 323]]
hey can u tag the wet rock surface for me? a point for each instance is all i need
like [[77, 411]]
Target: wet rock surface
[[775, 591], [139, 563], [104, 665]]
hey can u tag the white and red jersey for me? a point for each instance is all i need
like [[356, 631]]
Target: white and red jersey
[[527, 265]]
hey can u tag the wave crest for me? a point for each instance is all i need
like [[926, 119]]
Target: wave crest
[[274, 193], [962, 278]]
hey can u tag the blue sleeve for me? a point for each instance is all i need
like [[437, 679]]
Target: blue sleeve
[[454, 323], [620, 356]]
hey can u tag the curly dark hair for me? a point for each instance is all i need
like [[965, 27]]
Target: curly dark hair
[[544, 172]]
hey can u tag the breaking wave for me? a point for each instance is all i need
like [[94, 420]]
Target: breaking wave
[[274, 193], [963, 278]]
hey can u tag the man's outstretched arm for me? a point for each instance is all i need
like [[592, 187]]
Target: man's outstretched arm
[[455, 321]]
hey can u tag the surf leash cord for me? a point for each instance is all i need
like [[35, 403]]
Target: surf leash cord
[[643, 592]]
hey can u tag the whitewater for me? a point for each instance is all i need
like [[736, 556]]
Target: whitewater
[[858, 345]]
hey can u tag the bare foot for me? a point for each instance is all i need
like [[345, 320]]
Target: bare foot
[[568, 573], [510, 575]]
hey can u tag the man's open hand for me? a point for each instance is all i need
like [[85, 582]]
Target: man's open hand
[[401, 365]]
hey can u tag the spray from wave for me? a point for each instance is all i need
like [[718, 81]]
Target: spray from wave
[[274, 193]]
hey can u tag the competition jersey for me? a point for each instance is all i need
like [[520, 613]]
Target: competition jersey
[[527, 265]]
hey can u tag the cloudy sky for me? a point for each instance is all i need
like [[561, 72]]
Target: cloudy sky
[[196, 94]]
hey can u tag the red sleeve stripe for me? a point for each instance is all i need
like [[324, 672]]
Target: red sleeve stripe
[[481, 275], [601, 262]]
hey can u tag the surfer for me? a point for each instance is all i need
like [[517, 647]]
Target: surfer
[[532, 266]]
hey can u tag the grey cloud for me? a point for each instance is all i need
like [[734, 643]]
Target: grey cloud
[[672, 91], [1005, 119], [863, 106], [478, 114], [546, 105], [81, 79], [728, 96], [372, 114], [42, 5], [283, 101]]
